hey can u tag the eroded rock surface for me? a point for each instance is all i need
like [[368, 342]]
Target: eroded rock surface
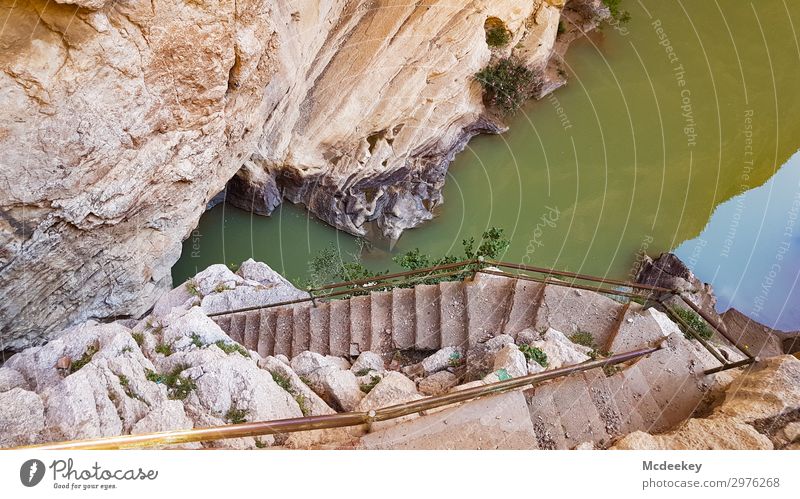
[[116, 132]]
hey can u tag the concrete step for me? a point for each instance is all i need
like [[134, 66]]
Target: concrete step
[[675, 376], [224, 323], [497, 422], [283, 331], [301, 337], [252, 325], [403, 318], [641, 328], [360, 324], [428, 330], [266, 333], [601, 392], [453, 313], [623, 314], [579, 416], [489, 299], [236, 331], [527, 296], [636, 383], [381, 321], [571, 310], [626, 403], [544, 416], [339, 339], [320, 328]]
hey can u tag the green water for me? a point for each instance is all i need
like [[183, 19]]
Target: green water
[[606, 166]]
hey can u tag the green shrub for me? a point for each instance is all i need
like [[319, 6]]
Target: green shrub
[[236, 416], [164, 349], [367, 387], [497, 36], [621, 16], [85, 358], [561, 29], [192, 289], [695, 322], [507, 84], [583, 338], [229, 348], [282, 381], [138, 338], [178, 387], [534, 353]]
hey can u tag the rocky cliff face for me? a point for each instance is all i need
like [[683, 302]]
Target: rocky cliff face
[[123, 119]]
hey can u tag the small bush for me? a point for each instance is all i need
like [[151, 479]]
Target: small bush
[[282, 381], [619, 15], [85, 358], [196, 341], [534, 353], [192, 289], [497, 36], [138, 338], [583, 338], [178, 387], [561, 29], [164, 349], [236, 416], [229, 348], [455, 359], [695, 322], [506, 84], [367, 387]]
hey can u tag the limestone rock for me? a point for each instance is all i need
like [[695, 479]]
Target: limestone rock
[[442, 359], [21, 417], [511, 360], [310, 403], [560, 351], [190, 330], [722, 433], [368, 361], [342, 389], [393, 389], [438, 383], [254, 86], [10, 379], [480, 358], [228, 388]]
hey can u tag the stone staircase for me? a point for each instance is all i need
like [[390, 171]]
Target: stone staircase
[[652, 394], [426, 317]]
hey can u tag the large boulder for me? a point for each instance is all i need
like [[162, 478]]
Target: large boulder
[[21, 418], [560, 351]]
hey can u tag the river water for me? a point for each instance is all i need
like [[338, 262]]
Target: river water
[[684, 113]]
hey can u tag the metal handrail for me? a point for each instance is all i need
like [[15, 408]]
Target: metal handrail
[[341, 420]]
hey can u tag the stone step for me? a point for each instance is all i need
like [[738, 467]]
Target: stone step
[[381, 321], [360, 321], [266, 333], [301, 337], [624, 314], [283, 331], [236, 331], [403, 319], [428, 330], [675, 376], [601, 392], [224, 323], [636, 383], [496, 422], [339, 339], [252, 325], [626, 403], [320, 328], [489, 299], [527, 296], [453, 313], [641, 328], [571, 310], [544, 416], [579, 416]]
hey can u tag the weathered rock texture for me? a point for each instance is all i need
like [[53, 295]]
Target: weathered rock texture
[[121, 120], [758, 412]]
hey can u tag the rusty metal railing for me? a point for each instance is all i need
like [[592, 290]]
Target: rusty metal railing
[[341, 420]]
